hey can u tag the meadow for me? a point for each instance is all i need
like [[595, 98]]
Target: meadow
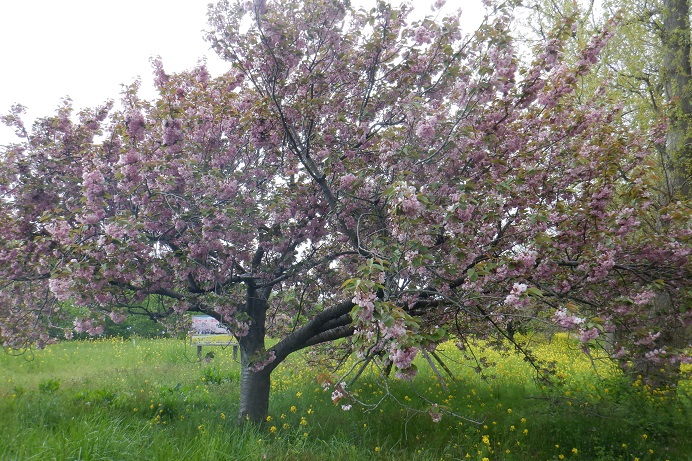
[[151, 399]]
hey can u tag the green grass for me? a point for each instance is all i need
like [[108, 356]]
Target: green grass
[[152, 400]]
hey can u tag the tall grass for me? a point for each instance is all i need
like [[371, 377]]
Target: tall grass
[[152, 400]]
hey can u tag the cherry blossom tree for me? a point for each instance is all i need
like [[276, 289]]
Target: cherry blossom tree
[[355, 174]]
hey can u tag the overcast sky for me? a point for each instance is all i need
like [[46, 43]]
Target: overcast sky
[[86, 49]]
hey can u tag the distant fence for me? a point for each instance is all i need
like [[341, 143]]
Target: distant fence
[[207, 331]]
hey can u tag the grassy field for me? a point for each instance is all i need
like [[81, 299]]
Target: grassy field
[[152, 400]]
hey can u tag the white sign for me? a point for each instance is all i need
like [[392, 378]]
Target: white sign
[[207, 331]]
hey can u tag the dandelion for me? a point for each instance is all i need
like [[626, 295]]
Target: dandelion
[[486, 440], [377, 449], [272, 429], [286, 426], [269, 418], [561, 456], [575, 451], [644, 436], [303, 422], [299, 394], [223, 416], [526, 431], [293, 409], [523, 420]]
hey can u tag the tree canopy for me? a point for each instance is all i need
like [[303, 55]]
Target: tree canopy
[[355, 174]]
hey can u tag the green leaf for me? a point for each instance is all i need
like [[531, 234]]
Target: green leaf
[[535, 292]]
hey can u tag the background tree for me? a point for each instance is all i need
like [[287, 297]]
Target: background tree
[[646, 68], [351, 176]]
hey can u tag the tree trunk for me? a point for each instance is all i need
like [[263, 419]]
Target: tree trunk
[[254, 395], [677, 70], [254, 383]]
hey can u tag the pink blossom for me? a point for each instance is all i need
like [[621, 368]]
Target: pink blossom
[[402, 358], [648, 339], [395, 331], [426, 131], [588, 335], [566, 320], [644, 298], [339, 392], [60, 288], [411, 206], [160, 77], [348, 180], [519, 289], [527, 258], [655, 355], [620, 353], [423, 35], [117, 317], [60, 231], [135, 125], [366, 302], [95, 330], [517, 296]]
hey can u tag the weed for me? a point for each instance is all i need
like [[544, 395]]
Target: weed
[[214, 375], [48, 386]]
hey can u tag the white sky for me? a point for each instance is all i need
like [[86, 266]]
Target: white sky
[[86, 49]]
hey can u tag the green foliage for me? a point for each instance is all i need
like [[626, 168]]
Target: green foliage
[[215, 375], [48, 386], [135, 325]]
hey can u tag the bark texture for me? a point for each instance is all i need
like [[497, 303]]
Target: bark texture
[[678, 72]]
